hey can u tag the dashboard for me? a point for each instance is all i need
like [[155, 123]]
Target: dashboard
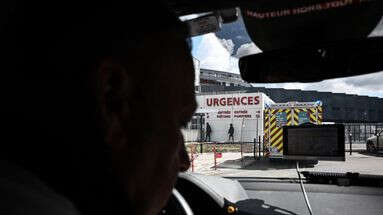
[[274, 196]]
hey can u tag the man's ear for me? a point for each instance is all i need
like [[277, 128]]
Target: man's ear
[[114, 97]]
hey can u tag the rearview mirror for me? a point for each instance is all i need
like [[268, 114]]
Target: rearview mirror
[[314, 63]]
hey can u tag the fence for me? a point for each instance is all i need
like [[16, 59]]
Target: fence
[[245, 147], [208, 155], [220, 152], [360, 132], [195, 138]]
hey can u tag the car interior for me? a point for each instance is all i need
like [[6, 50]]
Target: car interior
[[301, 41]]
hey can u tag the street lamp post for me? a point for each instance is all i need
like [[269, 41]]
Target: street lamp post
[[350, 140], [377, 140], [365, 125]]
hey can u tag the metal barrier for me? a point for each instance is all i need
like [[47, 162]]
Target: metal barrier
[[223, 151], [204, 147]]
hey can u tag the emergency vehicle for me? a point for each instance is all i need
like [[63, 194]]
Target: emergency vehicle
[[291, 114]]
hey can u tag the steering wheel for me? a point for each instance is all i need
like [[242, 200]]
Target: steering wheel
[[177, 205]]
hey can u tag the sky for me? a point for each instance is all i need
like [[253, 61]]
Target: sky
[[218, 54]]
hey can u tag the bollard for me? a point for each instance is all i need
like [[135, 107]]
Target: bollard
[[263, 146], [350, 143], [215, 158], [192, 157], [201, 148], [377, 142]]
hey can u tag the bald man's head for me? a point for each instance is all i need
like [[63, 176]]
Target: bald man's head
[[95, 97]]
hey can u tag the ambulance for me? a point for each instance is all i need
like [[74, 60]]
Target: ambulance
[[278, 115]]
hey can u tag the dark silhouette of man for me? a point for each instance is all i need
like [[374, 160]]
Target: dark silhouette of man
[[231, 132], [93, 98], [208, 132]]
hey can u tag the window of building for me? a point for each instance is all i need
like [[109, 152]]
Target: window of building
[[197, 88], [194, 123]]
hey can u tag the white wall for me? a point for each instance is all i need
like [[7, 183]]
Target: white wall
[[243, 110], [190, 135]]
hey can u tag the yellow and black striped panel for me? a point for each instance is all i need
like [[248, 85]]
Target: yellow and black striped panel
[[313, 117], [320, 114], [295, 117], [276, 133], [265, 124], [276, 140], [269, 121], [289, 116]]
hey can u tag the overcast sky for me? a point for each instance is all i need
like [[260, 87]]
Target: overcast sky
[[217, 54]]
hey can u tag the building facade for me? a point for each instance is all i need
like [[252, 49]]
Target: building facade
[[337, 107], [362, 116], [217, 78]]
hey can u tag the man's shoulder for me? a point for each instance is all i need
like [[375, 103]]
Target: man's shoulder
[[24, 193]]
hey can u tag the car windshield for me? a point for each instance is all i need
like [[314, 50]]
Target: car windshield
[[236, 132]]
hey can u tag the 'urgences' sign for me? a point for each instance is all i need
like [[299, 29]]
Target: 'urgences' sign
[[241, 109], [232, 101]]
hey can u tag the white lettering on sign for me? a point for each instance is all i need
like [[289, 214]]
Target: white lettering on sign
[[232, 101]]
